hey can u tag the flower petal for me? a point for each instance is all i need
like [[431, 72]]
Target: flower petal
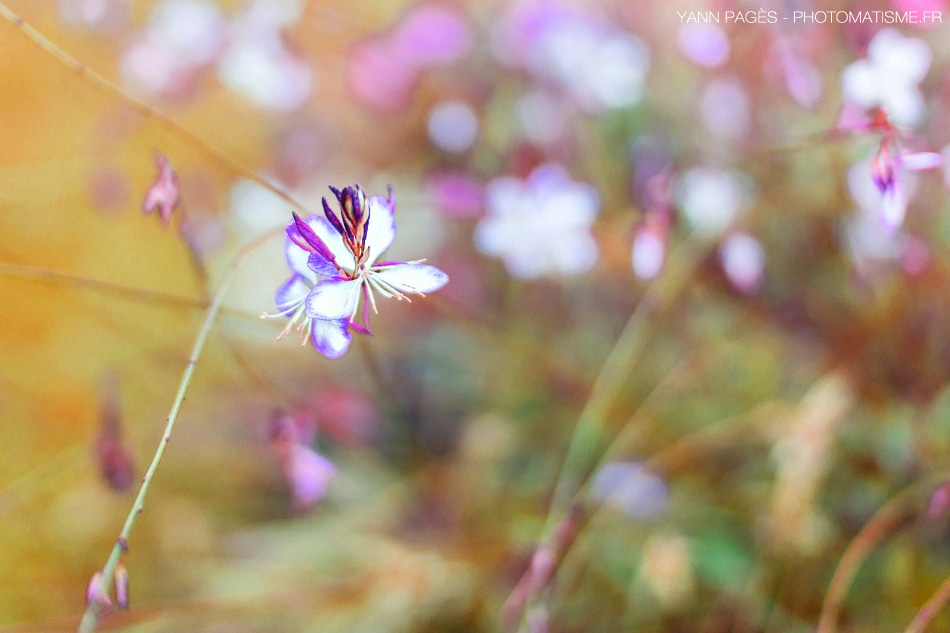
[[382, 225], [328, 235], [297, 260], [291, 293], [333, 299], [320, 265], [894, 207], [303, 235], [921, 160], [330, 338], [416, 278], [308, 474]]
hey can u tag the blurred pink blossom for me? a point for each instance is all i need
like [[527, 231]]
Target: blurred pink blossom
[[455, 193], [383, 70], [306, 472], [725, 108], [430, 35], [651, 234], [703, 44], [163, 194], [743, 261], [937, 6], [795, 70]]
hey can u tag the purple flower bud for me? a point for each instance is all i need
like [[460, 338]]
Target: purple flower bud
[[307, 239], [121, 578]]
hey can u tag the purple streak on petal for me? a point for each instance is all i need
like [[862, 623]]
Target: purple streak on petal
[[359, 328], [290, 294], [331, 237], [330, 338], [307, 239], [320, 265]]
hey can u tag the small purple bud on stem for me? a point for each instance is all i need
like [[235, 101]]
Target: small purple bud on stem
[[331, 217], [97, 596], [121, 578], [94, 588]]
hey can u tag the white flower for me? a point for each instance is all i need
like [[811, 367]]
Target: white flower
[[343, 251], [888, 78], [540, 226], [712, 199]]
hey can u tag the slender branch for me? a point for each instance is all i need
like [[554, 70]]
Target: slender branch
[[886, 520], [91, 616], [102, 285], [566, 514], [614, 371], [109, 89], [930, 609]]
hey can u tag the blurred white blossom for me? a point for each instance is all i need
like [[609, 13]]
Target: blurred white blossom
[[889, 76], [540, 226], [598, 64], [452, 126], [712, 199]]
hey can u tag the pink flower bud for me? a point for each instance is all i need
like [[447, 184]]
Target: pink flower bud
[[163, 193], [939, 503]]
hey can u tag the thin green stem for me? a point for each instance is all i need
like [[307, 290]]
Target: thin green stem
[[92, 614], [108, 88], [620, 361], [892, 515], [582, 450]]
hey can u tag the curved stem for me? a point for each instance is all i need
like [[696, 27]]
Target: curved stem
[[92, 614], [930, 609], [566, 517], [616, 367], [891, 515], [108, 88]]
